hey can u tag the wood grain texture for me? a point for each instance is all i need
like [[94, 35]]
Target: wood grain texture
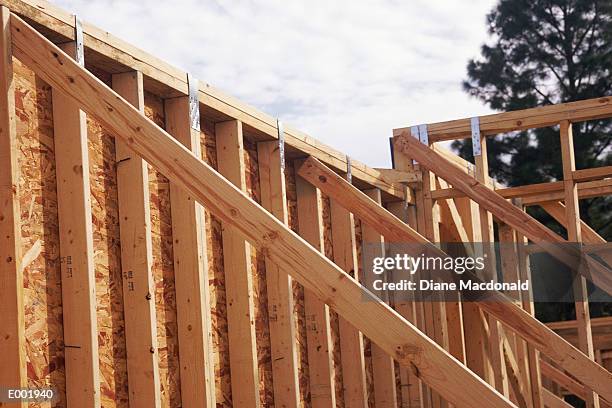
[[191, 273], [351, 340], [238, 275], [42, 295], [137, 259], [76, 250], [107, 255], [533, 355], [550, 400], [116, 55], [410, 388], [574, 235], [557, 210], [531, 118], [376, 320], [12, 331], [382, 364], [279, 283], [163, 270], [503, 210], [498, 305], [318, 329], [496, 335], [533, 194]]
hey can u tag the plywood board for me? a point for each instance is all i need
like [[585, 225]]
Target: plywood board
[[39, 225]]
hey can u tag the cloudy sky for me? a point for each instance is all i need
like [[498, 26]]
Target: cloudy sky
[[346, 72]]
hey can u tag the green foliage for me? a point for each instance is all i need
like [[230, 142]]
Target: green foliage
[[540, 53]]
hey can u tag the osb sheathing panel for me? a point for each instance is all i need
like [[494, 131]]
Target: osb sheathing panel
[[107, 266], [39, 232], [216, 281], [163, 272]]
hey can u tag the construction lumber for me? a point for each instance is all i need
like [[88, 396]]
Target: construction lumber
[[599, 322], [537, 193], [503, 210], [557, 210], [552, 401], [496, 334], [116, 55], [450, 227], [410, 388], [357, 202], [137, 259], [574, 235], [456, 221], [419, 393], [190, 273], [283, 341], [589, 236], [352, 356], [238, 275], [76, 249], [564, 380], [476, 354], [497, 304], [532, 193], [602, 332], [595, 173], [513, 370], [570, 384], [589, 109], [318, 329], [12, 330], [588, 189], [533, 355], [400, 176], [383, 367], [375, 319], [509, 260], [434, 316]]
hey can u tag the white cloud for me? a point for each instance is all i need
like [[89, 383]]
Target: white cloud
[[346, 72]]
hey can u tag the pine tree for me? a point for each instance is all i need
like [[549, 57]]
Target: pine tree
[[541, 53]]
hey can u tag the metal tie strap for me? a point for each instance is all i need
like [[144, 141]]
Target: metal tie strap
[[423, 135], [194, 102], [349, 169], [414, 131], [281, 143], [476, 147], [78, 39]]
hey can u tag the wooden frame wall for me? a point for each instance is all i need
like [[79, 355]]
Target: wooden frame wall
[[316, 272], [444, 380], [575, 227]]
